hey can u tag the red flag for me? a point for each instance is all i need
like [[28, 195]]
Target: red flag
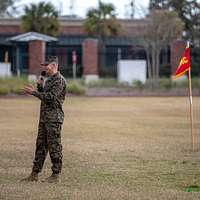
[[184, 64]]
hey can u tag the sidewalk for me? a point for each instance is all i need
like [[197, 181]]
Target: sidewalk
[[116, 92]]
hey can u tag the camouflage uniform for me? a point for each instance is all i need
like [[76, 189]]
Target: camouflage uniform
[[52, 96]]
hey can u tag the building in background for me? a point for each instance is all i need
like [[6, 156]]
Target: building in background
[[27, 50]]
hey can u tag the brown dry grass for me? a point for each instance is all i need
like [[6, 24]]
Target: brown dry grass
[[114, 148]]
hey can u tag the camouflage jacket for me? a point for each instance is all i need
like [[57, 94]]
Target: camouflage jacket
[[52, 96]]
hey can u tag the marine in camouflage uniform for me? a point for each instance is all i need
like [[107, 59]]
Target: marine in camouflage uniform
[[52, 96]]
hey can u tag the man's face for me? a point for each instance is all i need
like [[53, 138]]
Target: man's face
[[50, 68]]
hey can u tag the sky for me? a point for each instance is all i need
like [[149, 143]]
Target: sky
[[81, 6]]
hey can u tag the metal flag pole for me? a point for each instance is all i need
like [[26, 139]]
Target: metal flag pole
[[191, 107]]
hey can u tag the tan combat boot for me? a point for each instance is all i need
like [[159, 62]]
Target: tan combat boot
[[54, 178], [32, 177]]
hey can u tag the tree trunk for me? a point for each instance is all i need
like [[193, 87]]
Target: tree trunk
[[153, 64], [149, 67], [157, 63]]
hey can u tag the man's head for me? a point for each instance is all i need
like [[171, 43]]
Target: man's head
[[51, 66]]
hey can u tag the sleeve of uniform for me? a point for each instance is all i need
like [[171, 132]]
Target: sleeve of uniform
[[50, 96]]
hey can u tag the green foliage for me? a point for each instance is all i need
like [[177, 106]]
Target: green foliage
[[12, 85], [180, 83], [102, 22], [15, 85], [193, 188], [165, 83], [4, 90], [81, 82], [74, 87], [183, 83], [106, 82], [42, 18], [196, 82], [138, 84]]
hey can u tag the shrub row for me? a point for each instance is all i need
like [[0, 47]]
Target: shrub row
[[15, 85], [78, 87]]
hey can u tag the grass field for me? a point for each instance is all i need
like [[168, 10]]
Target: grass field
[[114, 149]]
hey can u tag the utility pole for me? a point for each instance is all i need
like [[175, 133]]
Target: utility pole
[[132, 9], [71, 8], [60, 8], [99, 2]]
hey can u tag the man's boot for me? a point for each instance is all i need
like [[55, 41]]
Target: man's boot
[[32, 177], [54, 178]]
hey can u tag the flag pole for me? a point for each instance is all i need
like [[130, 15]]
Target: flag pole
[[191, 107]]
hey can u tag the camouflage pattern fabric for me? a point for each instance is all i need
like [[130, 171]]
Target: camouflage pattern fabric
[[48, 140], [52, 96]]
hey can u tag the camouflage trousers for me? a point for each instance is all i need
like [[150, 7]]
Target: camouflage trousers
[[48, 140]]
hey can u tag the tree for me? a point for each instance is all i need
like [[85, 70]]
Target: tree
[[102, 22], [161, 29], [42, 18], [6, 7], [158, 4], [188, 11]]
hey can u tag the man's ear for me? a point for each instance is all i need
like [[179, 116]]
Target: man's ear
[[56, 65]]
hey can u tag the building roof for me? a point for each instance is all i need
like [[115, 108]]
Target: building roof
[[4, 39], [75, 26], [30, 36], [76, 40]]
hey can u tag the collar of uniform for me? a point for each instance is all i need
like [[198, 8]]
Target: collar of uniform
[[55, 75]]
